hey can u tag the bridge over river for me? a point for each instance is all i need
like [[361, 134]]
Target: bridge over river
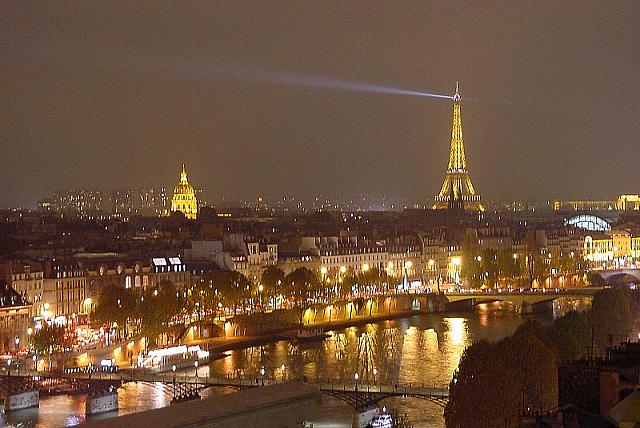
[[183, 387], [525, 299]]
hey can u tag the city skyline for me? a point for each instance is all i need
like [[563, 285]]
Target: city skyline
[[249, 213], [280, 100]]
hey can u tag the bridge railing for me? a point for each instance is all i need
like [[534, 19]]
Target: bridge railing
[[412, 388], [406, 389]]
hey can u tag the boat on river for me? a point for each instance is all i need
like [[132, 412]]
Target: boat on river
[[382, 421], [365, 418], [305, 334]]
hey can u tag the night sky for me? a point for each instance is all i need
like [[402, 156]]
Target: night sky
[[120, 95]]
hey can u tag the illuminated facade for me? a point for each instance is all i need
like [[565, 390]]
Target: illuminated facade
[[27, 278], [628, 202], [457, 190], [340, 254], [184, 198], [615, 248], [583, 205]]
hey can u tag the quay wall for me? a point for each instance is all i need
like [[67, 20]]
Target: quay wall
[[340, 313]]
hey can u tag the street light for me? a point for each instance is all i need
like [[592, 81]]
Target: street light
[[375, 373], [457, 261], [260, 290], [283, 367], [356, 376], [195, 363], [173, 367]]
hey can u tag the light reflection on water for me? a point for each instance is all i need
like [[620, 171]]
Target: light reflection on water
[[424, 349]]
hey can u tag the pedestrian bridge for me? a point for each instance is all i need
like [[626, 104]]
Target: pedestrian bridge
[[519, 297], [358, 395]]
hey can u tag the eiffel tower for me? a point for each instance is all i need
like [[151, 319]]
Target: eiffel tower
[[457, 192]]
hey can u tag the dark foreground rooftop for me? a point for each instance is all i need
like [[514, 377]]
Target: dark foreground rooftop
[[283, 405]]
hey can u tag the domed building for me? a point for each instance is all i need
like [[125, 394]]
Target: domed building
[[184, 198]]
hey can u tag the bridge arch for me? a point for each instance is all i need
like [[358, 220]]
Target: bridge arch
[[616, 276]]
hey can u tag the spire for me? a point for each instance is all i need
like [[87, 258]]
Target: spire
[[456, 96], [183, 175]]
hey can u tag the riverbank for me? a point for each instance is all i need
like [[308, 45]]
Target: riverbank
[[217, 345], [428, 351]]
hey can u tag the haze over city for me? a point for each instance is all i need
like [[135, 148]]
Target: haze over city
[[106, 96], [320, 214]]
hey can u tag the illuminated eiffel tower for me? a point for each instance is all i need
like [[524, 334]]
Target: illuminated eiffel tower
[[457, 191]]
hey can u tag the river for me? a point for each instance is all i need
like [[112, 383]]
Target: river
[[420, 349]]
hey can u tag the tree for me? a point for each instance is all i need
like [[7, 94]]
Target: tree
[[483, 392], [233, 287], [471, 269], [50, 338], [535, 369], [496, 382], [568, 336], [156, 307], [534, 328], [508, 264], [571, 335], [202, 296], [116, 304], [272, 279], [300, 283], [610, 316]]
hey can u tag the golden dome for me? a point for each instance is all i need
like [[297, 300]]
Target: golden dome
[[184, 197]]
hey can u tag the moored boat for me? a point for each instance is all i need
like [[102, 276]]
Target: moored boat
[[305, 334]]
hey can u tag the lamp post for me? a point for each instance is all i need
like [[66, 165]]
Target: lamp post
[[456, 261], [173, 368], [356, 376], [375, 374], [195, 363], [407, 265], [431, 264]]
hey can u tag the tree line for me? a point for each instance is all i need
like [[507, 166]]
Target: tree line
[[150, 310]]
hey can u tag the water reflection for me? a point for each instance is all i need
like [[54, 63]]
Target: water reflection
[[422, 349]]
